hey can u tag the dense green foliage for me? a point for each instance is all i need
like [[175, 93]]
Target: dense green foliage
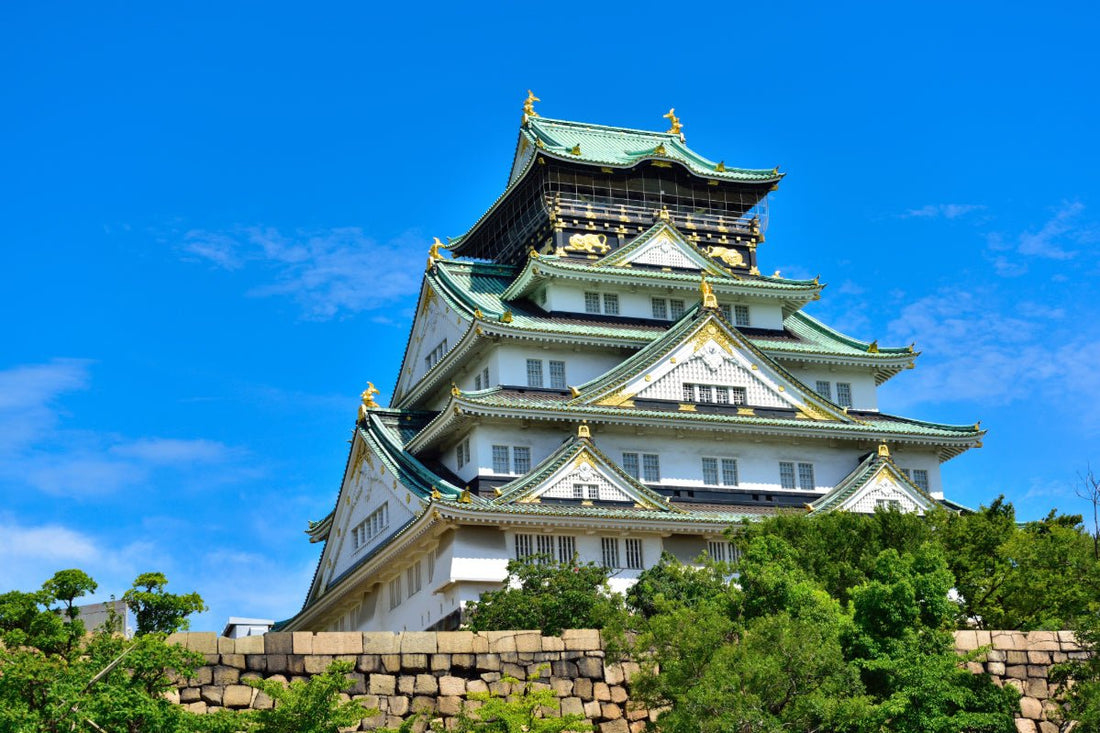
[[156, 610], [547, 595], [1078, 681], [309, 706]]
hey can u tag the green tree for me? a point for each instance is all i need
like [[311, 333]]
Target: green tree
[[1077, 681], [310, 706], [547, 595], [672, 582], [156, 610]]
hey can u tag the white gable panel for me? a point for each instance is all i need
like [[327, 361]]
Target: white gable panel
[[662, 251], [436, 330], [577, 479], [884, 489], [713, 365]]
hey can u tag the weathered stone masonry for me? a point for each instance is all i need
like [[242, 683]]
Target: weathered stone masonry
[[407, 672]]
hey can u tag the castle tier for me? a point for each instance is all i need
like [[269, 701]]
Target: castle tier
[[601, 371]]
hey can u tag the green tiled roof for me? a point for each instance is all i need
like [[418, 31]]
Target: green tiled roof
[[383, 433], [619, 147], [858, 478]]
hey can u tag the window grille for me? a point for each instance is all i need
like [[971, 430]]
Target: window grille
[[676, 309], [462, 453], [660, 308], [567, 548], [521, 459], [723, 551], [740, 315], [844, 394], [920, 478], [412, 578], [630, 464], [737, 396], [524, 546], [824, 389], [651, 467], [534, 372], [485, 377], [689, 393], [786, 475], [545, 544], [557, 374], [710, 471], [706, 392], [806, 476], [586, 491], [591, 302], [395, 593], [431, 566], [372, 526], [500, 459], [729, 472], [477, 382], [633, 554], [721, 395], [610, 547], [725, 312], [611, 304]]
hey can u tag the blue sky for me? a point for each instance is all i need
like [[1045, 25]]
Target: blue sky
[[214, 221]]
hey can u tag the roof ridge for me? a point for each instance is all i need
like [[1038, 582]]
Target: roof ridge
[[597, 126]]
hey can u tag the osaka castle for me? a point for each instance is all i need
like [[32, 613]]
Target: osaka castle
[[598, 368]]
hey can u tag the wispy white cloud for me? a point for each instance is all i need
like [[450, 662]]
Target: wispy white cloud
[[162, 451], [942, 211], [1059, 238], [30, 399], [326, 272]]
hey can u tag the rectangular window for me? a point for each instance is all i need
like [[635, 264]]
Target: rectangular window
[[436, 354], [534, 372], [724, 307], [462, 453], [545, 544], [824, 389], [610, 547], [786, 475], [524, 546], [557, 374], [431, 566], [729, 472], [721, 395], [485, 377], [675, 309], [591, 302], [371, 527], [412, 578], [630, 464], [723, 551], [806, 476], [660, 308], [586, 491], [395, 593], [920, 478], [844, 394], [521, 459], [689, 393], [567, 548], [500, 460], [710, 471], [477, 382], [706, 392], [740, 315], [611, 304], [651, 467], [633, 554], [560, 548], [737, 396]]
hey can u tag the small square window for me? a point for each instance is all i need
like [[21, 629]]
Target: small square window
[[611, 304], [740, 315], [591, 302], [824, 389], [844, 394], [534, 372], [676, 309], [660, 308]]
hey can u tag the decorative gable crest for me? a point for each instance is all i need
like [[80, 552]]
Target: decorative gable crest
[[579, 471], [662, 245], [875, 483]]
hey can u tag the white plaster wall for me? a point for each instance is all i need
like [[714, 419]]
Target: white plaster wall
[[864, 392], [428, 331], [581, 363], [928, 460]]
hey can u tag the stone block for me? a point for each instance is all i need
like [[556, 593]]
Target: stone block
[[615, 726], [490, 662], [1015, 684], [613, 674], [1009, 640], [984, 638], [382, 684], [212, 695], [479, 686], [381, 642], [966, 640], [636, 711], [233, 660], [975, 667], [1045, 726], [449, 705], [590, 667], [995, 668], [237, 696], [489, 677], [509, 657], [278, 642], [1038, 657], [303, 642], [203, 676], [449, 685], [582, 688], [462, 661], [440, 662], [337, 642], [189, 694], [500, 688], [592, 709], [196, 707], [226, 645], [317, 663], [630, 669], [996, 655], [514, 670], [418, 642], [1023, 725], [399, 705], [581, 639], [1037, 687], [426, 685], [406, 684], [561, 686], [250, 645], [262, 701], [391, 662], [203, 642], [225, 675], [1016, 657], [572, 706], [1067, 638], [601, 691], [255, 662], [455, 642], [563, 669], [611, 711], [414, 662], [528, 641], [479, 644], [212, 659], [1043, 641], [1037, 670], [368, 663], [1016, 672], [276, 662], [1030, 707], [638, 726], [501, 641], [618, 694], [423, 704], [553, 644]]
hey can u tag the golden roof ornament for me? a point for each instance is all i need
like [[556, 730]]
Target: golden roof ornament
[[506, 317], [883, 450], [709, 299], [675, 121], [465, 497], [368, 400], [583, 431], [478, 314], [434, 255], [576, 149], [455, 391], [872, 348], [435, 494], [660, 149], [529, 104], [721, 167]]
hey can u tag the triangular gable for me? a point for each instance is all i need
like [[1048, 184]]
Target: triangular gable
[[662, 245], [704, 351], [579, 471], [876, 482]]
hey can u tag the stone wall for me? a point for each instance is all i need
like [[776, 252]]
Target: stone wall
[[407, 672]]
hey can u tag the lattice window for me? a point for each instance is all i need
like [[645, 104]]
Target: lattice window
[[521, 459], [534, 372], [920, 478], [824, 388], [477, 382], [738, 396], [630, 464], [729, 472], [435, 354], [786, 475], [610, 551], [710, 471], [675, 309], [651, 467], [525, 546], [500, 460], [591, 302], [371, 527], [611, 304], [725, 309], [634, 559], [749, 389], [741, 316], [806, 476], [660, 308], [663, 253], [485, 377], [557, 374], [561, 548], [844, 394]]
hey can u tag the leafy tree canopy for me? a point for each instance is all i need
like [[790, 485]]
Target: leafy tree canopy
[[157, 611]]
